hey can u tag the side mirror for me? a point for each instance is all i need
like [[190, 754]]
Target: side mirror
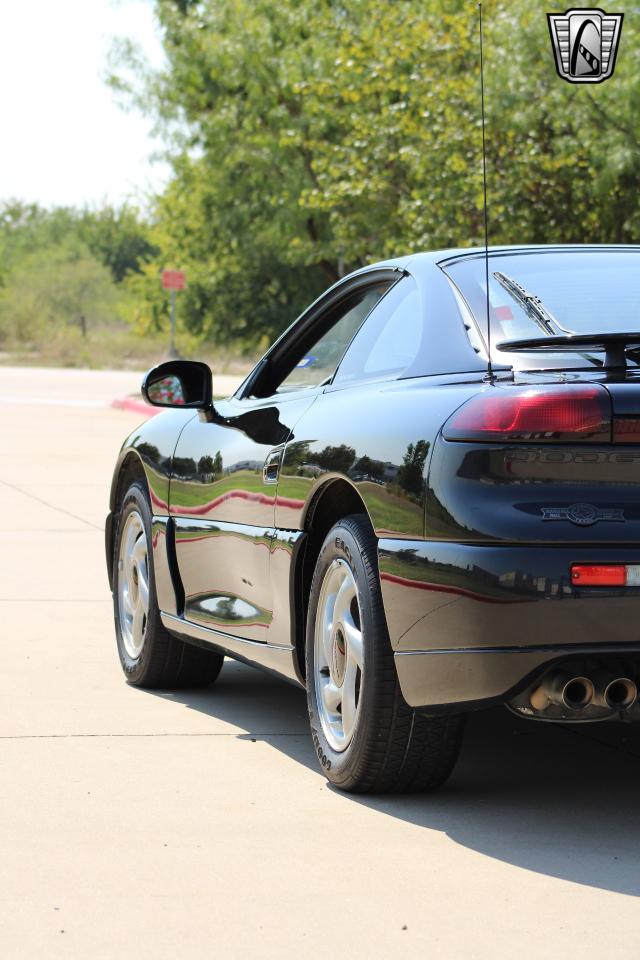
[[179, 383]]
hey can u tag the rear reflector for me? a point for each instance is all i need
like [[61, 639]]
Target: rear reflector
[[626, 430], [605, 575], [567, 412]]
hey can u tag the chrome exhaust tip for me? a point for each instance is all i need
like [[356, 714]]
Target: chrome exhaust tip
[[620, 694], [578, 693], [573, 693]]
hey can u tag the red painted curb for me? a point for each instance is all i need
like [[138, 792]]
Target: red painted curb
[[135, 405]]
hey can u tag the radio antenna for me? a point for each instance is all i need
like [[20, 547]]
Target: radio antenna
[[485, 205]]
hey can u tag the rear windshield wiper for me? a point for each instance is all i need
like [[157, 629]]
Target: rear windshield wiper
[[532, 305]]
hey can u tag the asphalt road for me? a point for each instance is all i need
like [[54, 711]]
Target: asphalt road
[[157, 825]]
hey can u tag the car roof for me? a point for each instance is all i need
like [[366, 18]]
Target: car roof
[[414, 262]]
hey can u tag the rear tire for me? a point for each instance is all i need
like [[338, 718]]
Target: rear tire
[[367, 739], [150, 656]]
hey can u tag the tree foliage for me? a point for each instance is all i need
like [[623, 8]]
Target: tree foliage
[[318, 136], [310, 138], [65, 269]]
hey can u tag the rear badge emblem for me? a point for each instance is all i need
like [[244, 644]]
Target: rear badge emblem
[[582, 514]]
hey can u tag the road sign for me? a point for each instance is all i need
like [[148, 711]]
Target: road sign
[[173, 280]]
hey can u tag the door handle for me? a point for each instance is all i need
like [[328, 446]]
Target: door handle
[[271, 467]]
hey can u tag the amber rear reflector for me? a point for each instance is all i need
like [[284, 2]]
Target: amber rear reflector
[[605, 575]]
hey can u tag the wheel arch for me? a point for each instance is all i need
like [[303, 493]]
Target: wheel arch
[[336, 499], [128, 469]]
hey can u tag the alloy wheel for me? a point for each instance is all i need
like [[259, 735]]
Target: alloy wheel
[[338, 655], [133, 585]]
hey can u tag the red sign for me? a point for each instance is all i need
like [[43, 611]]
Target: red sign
[[173, 280]]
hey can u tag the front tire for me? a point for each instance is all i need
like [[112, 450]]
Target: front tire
[[367, 739], [149, 655]]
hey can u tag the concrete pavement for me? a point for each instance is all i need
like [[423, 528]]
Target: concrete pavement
[[196, 824], [28, 386]]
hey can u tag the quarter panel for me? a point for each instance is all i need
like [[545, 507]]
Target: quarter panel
[[377, 436]]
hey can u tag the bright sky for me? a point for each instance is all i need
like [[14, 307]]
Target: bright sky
[[64, 138]]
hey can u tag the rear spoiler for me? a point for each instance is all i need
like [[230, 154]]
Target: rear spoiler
[[614, 345]]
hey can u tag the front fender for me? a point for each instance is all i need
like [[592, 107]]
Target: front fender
[[146, 454]]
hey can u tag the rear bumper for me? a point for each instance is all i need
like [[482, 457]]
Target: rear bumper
[[448, 680], [471, 625]]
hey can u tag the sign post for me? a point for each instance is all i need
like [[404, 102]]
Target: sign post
[[173, 280]]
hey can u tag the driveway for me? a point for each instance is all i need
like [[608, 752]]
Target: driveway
[[157, 825]]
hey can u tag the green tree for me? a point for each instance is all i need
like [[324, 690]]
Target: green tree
[[48, 292], [118, 237], [411, 473], [313, 137], [338, 458], [370, 468]]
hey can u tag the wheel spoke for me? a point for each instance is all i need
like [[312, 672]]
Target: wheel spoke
[[331, 696], [325, 626], [349, 705], [137, 627], [132, 533], [346, 593], [139, 552], [143, 587], [354, 640], [126, 600]]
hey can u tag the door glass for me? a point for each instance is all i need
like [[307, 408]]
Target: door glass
[[320, 360], [391, 340]]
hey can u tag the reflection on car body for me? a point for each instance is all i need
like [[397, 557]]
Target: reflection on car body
[[369, 514]]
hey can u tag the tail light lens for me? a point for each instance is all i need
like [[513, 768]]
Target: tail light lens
[[563, 413], [605, 575]]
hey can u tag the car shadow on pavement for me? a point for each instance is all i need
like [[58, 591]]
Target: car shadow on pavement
[[558, 800]]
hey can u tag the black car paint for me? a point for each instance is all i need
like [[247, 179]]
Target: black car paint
[[475, 585]]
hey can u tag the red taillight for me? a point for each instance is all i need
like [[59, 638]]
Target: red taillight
[[605, 575], [561, 413]]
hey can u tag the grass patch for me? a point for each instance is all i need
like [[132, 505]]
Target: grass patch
[[116, 347]]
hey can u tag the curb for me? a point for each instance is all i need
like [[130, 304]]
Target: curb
[[135, 405]]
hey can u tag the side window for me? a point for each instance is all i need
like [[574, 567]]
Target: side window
[[321, 358], [390, 341]]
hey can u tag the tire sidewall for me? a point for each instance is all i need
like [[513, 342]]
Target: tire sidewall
[[341, 543], [135, 500]]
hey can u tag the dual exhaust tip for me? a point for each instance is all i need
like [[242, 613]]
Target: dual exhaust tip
[[578, 693]]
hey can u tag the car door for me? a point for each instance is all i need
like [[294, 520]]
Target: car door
[[225, 473]]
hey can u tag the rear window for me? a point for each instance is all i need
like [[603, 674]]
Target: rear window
[[588, 291]]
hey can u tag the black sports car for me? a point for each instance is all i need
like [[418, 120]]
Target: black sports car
[[424, 500]]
